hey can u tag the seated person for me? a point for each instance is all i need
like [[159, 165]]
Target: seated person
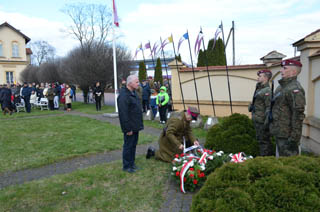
[[171, 138], [33, 97]]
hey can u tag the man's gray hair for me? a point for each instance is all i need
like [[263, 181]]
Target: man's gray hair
[[130, 78]]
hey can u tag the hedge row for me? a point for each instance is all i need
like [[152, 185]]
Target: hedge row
[[262, 184]]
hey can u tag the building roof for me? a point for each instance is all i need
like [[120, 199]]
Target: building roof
[[273, 55], [304, 39], [16, 30], [218, 68], [28, 51]]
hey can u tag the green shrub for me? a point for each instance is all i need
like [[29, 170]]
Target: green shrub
[[262, 184], [233, 134]]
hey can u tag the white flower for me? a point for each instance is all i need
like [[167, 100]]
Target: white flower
[[210, 157], [202, 167], [191, 163], [174, 168], [178, 160], [185, 161], [250, 157]]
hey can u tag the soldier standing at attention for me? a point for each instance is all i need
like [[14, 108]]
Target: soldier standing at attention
[[287, 110], [260, 108]]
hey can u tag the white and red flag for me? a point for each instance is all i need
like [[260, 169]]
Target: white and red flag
[[115, 14]]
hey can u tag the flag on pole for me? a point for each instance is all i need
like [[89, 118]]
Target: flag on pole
[[183, 38], [170, 39], [197, 45], [216, 34], [154, 48], [147, 46], [139, 48], [115, 14]]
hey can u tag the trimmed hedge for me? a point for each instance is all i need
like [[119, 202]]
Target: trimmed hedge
[[233, 134], [262, 184]]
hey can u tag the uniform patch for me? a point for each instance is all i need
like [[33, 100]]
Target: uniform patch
[[296, 91], [266, 94]]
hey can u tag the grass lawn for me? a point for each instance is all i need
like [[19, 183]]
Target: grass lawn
[[34, 112], [91, 108], [100, 188], [32, 142]]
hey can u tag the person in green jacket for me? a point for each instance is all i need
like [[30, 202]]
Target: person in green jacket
[[162, 101]]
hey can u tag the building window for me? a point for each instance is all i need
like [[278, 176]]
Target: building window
[[15, 50], [9, 77], [1, 49]]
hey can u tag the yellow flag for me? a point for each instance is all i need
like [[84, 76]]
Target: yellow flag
[[170, 39]]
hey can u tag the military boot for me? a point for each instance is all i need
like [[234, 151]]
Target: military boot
[[151, 152]]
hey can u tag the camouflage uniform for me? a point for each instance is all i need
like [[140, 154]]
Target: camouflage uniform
[[288, 114], [172, 137], [260, 110]]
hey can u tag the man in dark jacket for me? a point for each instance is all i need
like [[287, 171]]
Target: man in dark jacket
[[1, 88], [26, 93], [146, 92], [130, 116], [5, 96]]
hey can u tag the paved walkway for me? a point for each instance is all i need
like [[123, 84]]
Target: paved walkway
[[175, 200]]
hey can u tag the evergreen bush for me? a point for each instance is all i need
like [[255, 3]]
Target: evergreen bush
[[158, 72], [262, 184], [213, 55], [142, 71], [233, 134]]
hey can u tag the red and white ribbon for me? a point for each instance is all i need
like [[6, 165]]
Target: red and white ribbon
[[183, 171], [203, 158], [237, 158]]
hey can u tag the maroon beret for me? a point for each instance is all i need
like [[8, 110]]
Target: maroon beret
[[264, 71], [291, 63]]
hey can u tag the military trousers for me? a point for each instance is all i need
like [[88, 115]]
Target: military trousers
[[287, 147], [264, 138]]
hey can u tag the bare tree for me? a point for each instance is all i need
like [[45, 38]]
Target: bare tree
[[29, 74], [85, 70], [90, 23], [42, 52], [49, 72]]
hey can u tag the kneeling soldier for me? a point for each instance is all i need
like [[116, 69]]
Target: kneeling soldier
[[171, 138]]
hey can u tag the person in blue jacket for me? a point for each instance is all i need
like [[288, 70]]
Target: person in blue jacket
[[26, 93], [146, 92]]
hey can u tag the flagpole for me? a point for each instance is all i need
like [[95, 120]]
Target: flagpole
[[144, 60], [206, 58], [175, 57], [154, 67], [165, 65], [225, 55], [194, 80], [114, 63]]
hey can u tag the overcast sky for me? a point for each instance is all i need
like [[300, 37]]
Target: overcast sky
[[261, 26]]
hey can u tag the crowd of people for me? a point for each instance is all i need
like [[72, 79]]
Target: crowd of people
[[154, 97], [30, 94]]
